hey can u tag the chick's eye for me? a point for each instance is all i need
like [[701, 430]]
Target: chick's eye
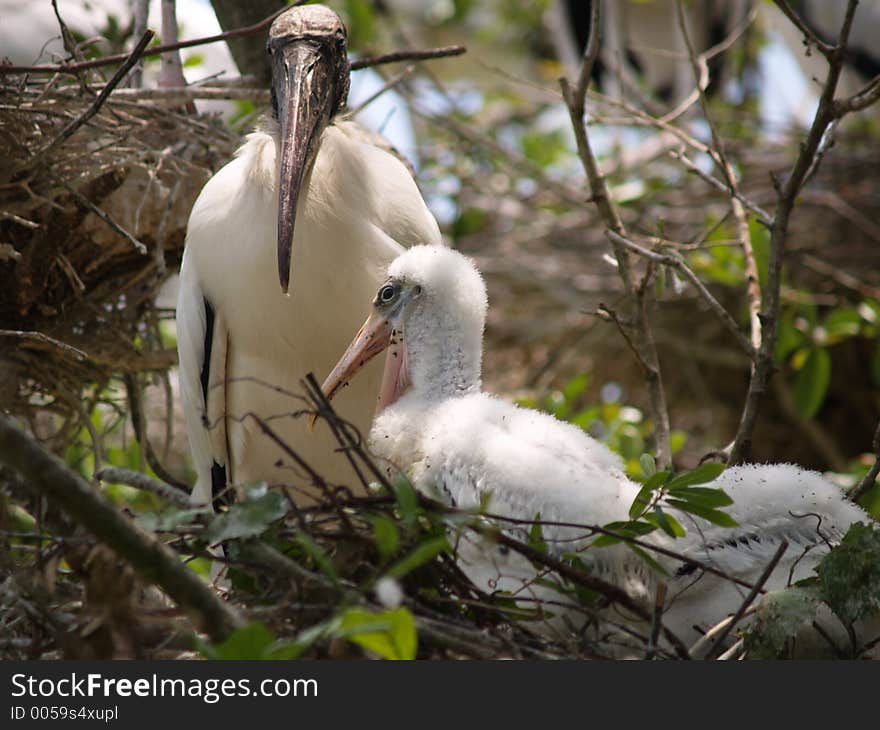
[[386, 294]]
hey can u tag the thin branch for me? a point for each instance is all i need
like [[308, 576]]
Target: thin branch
[[644, 344], [749, 599], [118, 475], [787, 197], [811, 38], [753, 287], [40, 337], [871, 477], [71, 128], [154, 561], [411, 55], [86, 203], [676, 261], [860, 100], [155, 51]]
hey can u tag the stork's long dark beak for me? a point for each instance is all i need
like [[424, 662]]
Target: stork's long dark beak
[[304, 76]]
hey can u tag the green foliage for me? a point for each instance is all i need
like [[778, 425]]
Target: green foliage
[[389, 634], [805, 338], [848, 582], [194, 59], [849, 576], [665, 489], [253, 641], [423, 553], [360, 22], [780, 615], [249, 517], [386, 536]]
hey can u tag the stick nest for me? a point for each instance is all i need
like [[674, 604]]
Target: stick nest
[[91, 225]]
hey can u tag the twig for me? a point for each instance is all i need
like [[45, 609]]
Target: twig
[[86, 203], [656, 620], [677, 262], [155, 51], [787, 197], [69, 130], [575, 99], [40, 337], [811, 38], [871, 477], [698, 646], [691, 166], [860, 100], [744, 606], [753, 287], [154, 561], [412, 55], [390, 84], [118, 475], [610, 591]]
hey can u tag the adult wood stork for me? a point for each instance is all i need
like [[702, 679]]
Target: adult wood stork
[[464, 447], [311, 202]]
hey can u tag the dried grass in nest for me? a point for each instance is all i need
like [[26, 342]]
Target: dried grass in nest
[[90, 228]]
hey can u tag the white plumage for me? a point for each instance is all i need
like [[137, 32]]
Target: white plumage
[[464, 447], [242, 341]]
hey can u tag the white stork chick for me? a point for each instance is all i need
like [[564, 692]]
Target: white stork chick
[[311, 202], [462, 446]]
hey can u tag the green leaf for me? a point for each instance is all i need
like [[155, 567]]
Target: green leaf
[[407, 500], [811, 383], [649, 559], [421, 555], [703, 473], [665, 522], [780, 614], [385, 535], [641, 502], [196, 59], [658, 480], [325, 565], [849, 575], [390, 634], [253, 641], [248, 518], [788, 338], [623, 530], [842, 323], [536, 535], [716, 517], [576, 386], [649, 466], [702, 496]]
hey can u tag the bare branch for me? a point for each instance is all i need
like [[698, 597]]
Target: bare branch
[[749, 599], [151, 559], [753, 287], [575, 100], [71, 128], [870, 478], [809, 35], [787, 197]]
